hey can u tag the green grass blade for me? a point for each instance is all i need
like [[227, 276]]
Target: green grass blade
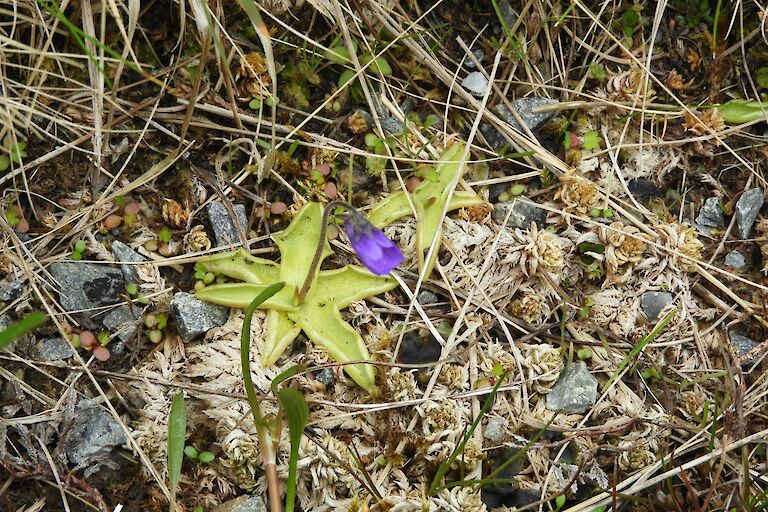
[[639, 347], [446, 466], [287, 374], [245, 350], [296, 411], [177, 431], [23, 326]]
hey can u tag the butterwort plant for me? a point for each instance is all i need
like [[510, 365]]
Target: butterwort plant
[[311, 300]]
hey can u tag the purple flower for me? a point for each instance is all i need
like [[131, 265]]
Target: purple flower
[[377, 252]]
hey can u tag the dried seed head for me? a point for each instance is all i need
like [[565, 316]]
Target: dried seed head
[[252, 76], [478, 213], [175, 214], [196, 240], [579, 194]]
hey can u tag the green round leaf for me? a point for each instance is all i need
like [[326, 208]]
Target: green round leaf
[[206, 457], [190, 452]]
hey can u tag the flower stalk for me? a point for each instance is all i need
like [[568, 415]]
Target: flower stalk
[[377, 252]]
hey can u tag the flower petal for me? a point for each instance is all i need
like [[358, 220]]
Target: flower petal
[[367, 247], [377, 252]]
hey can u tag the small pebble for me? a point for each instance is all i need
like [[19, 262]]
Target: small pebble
[[479, 55], [735, 259], [475, 83], [427, 297], [278, 208]]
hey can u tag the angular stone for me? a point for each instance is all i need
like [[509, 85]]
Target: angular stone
[[5, 321], [735, 259], [507, 13], [85, 285], [392, 125], [475, 83], [494, 430], [524, 107], [741, 344], [94, 431], [11, 290], [194, 317], [653, 302], [125, 255], [242, 504], [225, 230], [575, 392], [710, 215], [523, 213], [747, 208], [407, 106], [479, 55], [54, 349], [123, 321], [426, 297], [326, 377]]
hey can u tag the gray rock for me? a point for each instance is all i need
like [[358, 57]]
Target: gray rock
[[225, 229], [407, 106], [710, 215], [85, 285], [741, 344], [575, 392], [124, 253], [426, 297], [479, 55], [496, 189], [524, 107], [523, 213], [494, 430], [94, 432], [11, 290], [507, 13], [194, 317], [5, 321], [475, 83], [653, 302], [735, 259], [326, 377], [747, 208], [392, 125], [54, 349], [242, 504], [123, 321]]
